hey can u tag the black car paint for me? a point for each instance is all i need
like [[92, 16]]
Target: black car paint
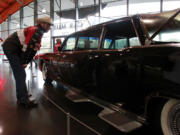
[[132, 75]]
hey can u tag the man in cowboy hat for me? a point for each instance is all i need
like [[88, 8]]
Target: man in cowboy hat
[[20, 48]]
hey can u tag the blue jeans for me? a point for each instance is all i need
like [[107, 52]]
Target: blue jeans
[[19, 75]]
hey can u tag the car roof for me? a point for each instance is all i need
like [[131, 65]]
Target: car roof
[[103, 24], [154, 21]]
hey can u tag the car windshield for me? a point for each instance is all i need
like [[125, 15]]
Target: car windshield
[[163, 27]]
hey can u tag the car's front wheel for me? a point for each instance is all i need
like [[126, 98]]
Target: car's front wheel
[[45, 74], [170, 117]]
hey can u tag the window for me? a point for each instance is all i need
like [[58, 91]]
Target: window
[[170, 4], [70, 44], [4, 30], [143, 6], [43, 8], [15, 22], [89, 40], [134, 41], [88, 43], [117, 7], [82, 43], [94, 41], [107, 43], [29, 15], [120, 43], [64, 21], [120, 35], [115, 44]]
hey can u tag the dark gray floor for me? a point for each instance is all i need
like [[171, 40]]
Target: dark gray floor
[[47, 118]]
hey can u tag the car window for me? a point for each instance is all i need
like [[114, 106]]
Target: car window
[[70, 44], [120, 35], [120, 43], [115, 44], [88, 43], [107, 43], [81, 42], [134, 41], [88, 40], [94, 41]]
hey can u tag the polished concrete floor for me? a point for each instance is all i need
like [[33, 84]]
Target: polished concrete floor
[[50, 117], [47, 118], [15, 120]]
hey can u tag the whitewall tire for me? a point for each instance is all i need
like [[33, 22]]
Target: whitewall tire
[[170, 117], [44, 72]]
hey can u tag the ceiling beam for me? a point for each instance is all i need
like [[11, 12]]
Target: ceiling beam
[[3, 4], [20, 2], [12, 8]]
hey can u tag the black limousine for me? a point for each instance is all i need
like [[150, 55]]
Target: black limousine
[[130, 66]]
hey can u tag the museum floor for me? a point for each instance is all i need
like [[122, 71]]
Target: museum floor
[[51, 117]]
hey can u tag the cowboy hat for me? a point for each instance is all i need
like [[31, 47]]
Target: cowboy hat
[[44, 20]]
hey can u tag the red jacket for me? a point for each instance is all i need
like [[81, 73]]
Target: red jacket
[[18, 42], [28, 32], [25, 36], [56, 47]]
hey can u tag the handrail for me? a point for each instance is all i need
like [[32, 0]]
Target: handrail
[[70, 116]]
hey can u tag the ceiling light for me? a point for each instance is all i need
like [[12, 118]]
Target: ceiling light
[[44, 10], [81, 4], [18, 25]]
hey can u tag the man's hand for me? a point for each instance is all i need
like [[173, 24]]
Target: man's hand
[[24, 65], [37, 46]]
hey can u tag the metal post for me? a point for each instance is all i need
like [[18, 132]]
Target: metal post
[[127, 7], [100, 10], [52, 18], [9, 24], [21, 17], [35, 10], [52, 10], [161, 9], [161, 5], [68, 123], [76, 13]]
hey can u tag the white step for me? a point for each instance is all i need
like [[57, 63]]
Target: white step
[[119, 120]]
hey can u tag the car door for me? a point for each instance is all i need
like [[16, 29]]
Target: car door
[[82, 63], [65, 60], [121, 63]]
